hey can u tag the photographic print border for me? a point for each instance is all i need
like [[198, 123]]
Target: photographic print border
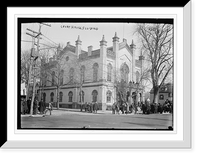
[[79, 141]]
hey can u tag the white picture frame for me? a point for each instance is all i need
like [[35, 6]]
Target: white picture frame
[[61, 139]]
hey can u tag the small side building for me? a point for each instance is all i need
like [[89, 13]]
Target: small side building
[[166, 92]]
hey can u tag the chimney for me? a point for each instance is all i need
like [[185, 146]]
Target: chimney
[[124, 40], [90, 50], [68, 44]]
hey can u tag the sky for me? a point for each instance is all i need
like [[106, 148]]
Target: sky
[[61, 33]]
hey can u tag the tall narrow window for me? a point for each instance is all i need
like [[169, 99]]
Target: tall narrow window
[[70, 96], [109, 95], [53, 78], [109, 72], [61, 77], [81, 94], [95, 72], [137, 76], [94, 96], [124, 70], [71, 74], [52, 95], [60, 96], [82, 73]]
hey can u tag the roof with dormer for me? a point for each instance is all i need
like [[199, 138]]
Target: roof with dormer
[[165, 88]]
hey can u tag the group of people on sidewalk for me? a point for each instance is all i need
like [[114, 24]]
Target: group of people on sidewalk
[[166, 107], [142, 108], [38, 107], [89, 107]]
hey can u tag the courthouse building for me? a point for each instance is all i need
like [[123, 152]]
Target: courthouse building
[[89, 76]]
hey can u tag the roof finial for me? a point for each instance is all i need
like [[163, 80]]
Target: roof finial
[[103, 38], [115, 34], [115, 38], [132, 44], [78, 41], [103, 41], [78, 38]]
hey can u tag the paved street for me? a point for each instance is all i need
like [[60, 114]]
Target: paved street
[[66, 118]]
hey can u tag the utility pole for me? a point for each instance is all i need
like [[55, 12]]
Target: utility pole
[[34, 69], [30, 66], [35, 54]]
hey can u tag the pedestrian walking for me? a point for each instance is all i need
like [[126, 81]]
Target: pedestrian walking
[[48, 108], [85, 106], [35, 106], [29, 105], [81, 107], [95, 107], [91, 107], [22, 107], [25, 107]]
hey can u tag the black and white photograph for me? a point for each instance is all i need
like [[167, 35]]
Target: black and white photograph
[[96, 73], [100, 78]]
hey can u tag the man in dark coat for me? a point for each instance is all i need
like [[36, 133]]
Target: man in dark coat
[[95, 107], [91, 107], [29, 105], [85, 106]]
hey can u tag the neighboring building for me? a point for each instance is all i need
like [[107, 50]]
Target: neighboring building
[[97, 70], [166, 92], [23, 88]]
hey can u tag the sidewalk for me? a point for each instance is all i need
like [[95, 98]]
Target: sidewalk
[[79, 110], [67, 110]]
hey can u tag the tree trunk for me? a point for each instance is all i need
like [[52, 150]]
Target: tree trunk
[[58, 91], [156, 94]]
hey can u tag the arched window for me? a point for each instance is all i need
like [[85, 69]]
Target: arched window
[[52, 95], [60, 96], [137, 76], [109, 72], [53, 78], [71, 74], [124, 70], [70, 94], [94, 96], [81, 94], [95, 72], [109, 95], [44, 97], [82, 73], [61, 77]]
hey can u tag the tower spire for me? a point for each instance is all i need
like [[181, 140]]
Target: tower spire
[[78, 38], [103, 41], [115, 38], [78, 41], [132, 45]]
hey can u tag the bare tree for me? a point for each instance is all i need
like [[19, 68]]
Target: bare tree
[[157, 43], [123, 87], [25, 63], [54, 72]]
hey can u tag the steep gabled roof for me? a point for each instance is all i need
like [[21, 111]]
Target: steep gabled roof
[[166, 88]]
